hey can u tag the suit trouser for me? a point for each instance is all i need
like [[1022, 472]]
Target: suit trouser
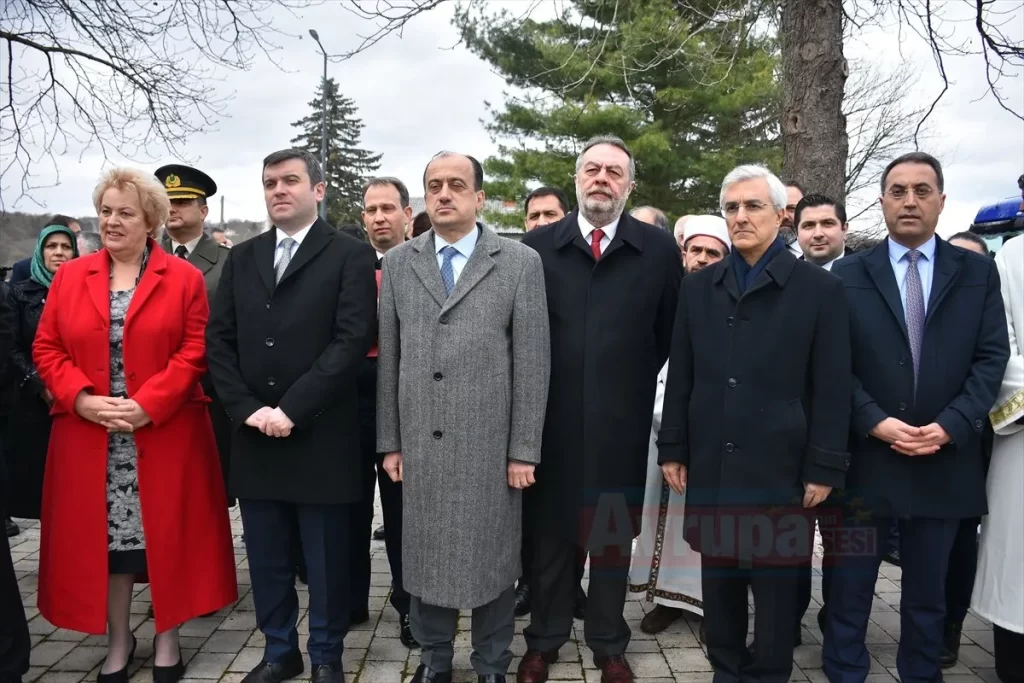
[[963, 565], [526, 553], [493, 627], [553, 597], [14, 639], [724, 584], [271, 528], [828, 523], [924, 556], [390, 501]]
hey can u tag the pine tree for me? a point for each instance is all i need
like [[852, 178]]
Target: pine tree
[[348, 165]]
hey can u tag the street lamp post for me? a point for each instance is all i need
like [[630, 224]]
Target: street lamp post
[[323, 126]]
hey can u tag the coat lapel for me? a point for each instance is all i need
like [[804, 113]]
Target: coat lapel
[[263, 252], [155, 268], [98, 284], [479, 264], [205, 255], [725, 276], [568, 232], [316, 239], [880, 270], [947, 266], [424, 264]]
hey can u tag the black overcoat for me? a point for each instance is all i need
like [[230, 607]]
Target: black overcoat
[[295, 345], [611, 328]]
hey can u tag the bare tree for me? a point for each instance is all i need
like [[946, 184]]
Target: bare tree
[[125, 76]]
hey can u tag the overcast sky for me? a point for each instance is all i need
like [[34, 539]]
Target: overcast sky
[[417, 96]]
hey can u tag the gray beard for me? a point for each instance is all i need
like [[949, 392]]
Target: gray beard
[[787, 234]]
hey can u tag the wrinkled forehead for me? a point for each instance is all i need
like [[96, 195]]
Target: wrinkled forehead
[[606, 155], [910, 174], [753, 189], [448, 168], [793, 195]]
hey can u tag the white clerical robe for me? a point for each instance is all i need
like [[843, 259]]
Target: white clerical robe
[[999, 586], [664, 566]]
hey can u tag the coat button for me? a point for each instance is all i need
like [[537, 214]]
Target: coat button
[[270, 341], [902, 406], [444, 320], [730, 321], [271, 381], [979, 424], [729, 448], [732, 382], [131, 375], [268, 305], [438, 376], [903, 360], [437, 434]]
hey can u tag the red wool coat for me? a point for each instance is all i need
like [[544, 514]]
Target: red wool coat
[[184, 510]]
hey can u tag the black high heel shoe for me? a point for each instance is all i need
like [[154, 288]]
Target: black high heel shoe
[[169, 674], [122, 675]]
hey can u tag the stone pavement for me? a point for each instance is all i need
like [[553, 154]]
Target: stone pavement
[[226, 646]]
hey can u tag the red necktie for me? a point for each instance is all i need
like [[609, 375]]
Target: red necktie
[[595, 243]]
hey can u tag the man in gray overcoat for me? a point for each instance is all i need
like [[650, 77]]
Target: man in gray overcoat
[[462, 383]]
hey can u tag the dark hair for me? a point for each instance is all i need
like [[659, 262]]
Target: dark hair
[[420, 224], [61, 220], [353, 230], [810, 200], [916, 158], [793, 183], [478, 170], [384, 181], [1020, 181], [547, 191], [313, 170], [971, 237]]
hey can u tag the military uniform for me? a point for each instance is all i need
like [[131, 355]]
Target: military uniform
[[186, 183]]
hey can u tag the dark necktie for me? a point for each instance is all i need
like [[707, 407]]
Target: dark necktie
[[181, 251], [915, 310], [595, 243]]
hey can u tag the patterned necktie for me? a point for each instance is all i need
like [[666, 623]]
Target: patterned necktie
[[915, 310], [181, 251], [595, 243], [447, 272], [286, 257]]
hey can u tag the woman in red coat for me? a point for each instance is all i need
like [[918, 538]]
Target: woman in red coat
[[133, 488]]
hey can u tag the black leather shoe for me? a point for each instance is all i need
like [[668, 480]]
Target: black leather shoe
[[11, 528], [405, 631], [122, 675], [425, 674], [522, 600], [276, 672], [360, 617], [378, 533], [490, 678], [580, 608], [328, 673], [950, 654], [169, 674]]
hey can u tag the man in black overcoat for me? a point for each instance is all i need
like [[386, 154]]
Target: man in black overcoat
[[293, 319], [754, 425], [612, 285]]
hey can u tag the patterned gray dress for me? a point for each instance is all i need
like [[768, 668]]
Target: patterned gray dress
[[125, 539]]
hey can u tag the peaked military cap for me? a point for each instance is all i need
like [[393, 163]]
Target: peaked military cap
[[185, 182]]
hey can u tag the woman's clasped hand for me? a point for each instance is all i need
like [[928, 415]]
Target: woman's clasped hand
[[115, 413]]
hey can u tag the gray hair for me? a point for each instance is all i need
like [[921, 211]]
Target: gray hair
[[776, 190], [384, 181], [89, 242], [660, 219], [607, 140]]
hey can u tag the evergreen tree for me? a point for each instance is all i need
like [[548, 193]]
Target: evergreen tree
[[348, 165], [691, 96]]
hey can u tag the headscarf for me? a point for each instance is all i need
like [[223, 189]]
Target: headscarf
[[39, 272]]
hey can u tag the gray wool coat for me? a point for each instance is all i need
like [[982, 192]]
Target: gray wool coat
[[462, 385]]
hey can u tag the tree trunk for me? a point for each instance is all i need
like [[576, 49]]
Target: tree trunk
[[814, 142]]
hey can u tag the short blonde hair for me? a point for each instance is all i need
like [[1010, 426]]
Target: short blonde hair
[[156, 207]]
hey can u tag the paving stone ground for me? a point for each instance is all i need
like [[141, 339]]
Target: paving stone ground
[[226, 646]]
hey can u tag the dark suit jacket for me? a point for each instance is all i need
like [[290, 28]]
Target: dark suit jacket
[[964, 354], [295, 345], [756, 397], [21, 270], [611, 329]]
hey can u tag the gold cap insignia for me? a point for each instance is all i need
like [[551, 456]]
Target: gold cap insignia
[[172, 181]]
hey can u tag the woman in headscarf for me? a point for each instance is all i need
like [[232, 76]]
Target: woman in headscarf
[[29, 430]]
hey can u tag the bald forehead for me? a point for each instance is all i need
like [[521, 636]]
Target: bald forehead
[[451, 166]]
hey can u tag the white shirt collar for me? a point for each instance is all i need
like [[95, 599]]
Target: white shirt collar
[[464, 245], [586, 228], [897, 251], [190, 245], [298, 237]]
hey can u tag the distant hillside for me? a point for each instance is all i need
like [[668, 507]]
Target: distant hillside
[[19, 231]]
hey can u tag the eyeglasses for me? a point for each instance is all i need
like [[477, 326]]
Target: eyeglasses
[[900, 192], [751, 207]]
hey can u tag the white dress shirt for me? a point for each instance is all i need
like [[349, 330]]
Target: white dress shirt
[[282, 235], [925, 268], [464, 246], [609, 231], [190, 246]]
